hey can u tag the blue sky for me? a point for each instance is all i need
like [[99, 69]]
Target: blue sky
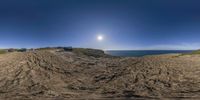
[[125, 24]]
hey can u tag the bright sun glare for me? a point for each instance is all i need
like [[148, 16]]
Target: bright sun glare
[[99, 37]]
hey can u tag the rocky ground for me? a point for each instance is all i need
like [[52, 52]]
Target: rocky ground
[[52, 74]]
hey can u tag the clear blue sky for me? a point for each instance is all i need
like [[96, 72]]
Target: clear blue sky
[[125, 24]]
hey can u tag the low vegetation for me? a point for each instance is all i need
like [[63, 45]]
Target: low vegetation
[[22, 50], [2, 51], [89, 52], [191, 53], [195, 52]]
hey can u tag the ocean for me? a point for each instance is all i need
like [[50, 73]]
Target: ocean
[[140, 53]]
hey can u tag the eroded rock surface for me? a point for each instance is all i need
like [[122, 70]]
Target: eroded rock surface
[[51, 74]]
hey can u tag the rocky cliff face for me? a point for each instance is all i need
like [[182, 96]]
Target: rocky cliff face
[[87, 73]]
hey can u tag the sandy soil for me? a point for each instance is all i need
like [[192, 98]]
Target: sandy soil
[[64, 75]]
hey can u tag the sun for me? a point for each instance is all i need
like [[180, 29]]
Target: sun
[[100, 38]]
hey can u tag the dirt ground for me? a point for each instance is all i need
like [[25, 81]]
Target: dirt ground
[[55, 75]]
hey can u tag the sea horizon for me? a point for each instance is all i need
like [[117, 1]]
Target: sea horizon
[[140, 53]]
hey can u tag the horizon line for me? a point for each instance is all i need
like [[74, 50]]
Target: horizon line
[[89, 48]]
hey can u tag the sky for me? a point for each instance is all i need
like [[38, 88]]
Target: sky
[[123, 24]]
